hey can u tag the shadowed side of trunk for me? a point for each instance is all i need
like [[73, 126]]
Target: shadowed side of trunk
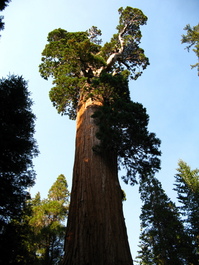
[[96, 232]]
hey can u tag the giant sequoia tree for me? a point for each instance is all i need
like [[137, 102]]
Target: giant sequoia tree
[[91, 85]]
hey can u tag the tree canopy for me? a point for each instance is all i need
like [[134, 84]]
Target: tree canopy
[[84, 69], [72, 58]]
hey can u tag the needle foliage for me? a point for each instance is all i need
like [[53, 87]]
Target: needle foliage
[[83, 69]]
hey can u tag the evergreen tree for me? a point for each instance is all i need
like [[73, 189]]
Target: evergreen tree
[[18, 148], [17, 145], [91, 84], [192, 39], [59, 191], [47, 223], [187, 187], [162, 240]]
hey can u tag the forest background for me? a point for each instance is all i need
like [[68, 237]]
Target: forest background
[[168, 88]]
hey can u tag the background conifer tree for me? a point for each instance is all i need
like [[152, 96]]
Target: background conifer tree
[[18, 147], [163, 239], [187, 187], [47, 222]]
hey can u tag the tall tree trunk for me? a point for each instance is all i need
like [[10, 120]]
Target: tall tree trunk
[[96, 232]]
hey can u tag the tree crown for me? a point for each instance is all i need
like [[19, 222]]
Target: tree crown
[[74, 59], [84, 69]]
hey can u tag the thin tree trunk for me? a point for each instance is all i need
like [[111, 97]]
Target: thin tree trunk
[[96, 232]]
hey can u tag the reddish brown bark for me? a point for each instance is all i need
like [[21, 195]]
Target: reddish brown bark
[[96, 232]]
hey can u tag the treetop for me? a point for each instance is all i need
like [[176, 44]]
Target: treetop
[[75, 59]]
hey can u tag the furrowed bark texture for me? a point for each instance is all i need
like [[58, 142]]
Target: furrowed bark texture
[[96, 232]]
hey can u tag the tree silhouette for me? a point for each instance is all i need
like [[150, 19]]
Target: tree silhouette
[[18, 147], [163, 239]]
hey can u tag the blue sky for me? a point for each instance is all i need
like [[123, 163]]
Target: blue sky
[[168, 88]]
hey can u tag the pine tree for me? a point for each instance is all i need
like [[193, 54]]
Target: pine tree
[[47, 222], [91, 85], [162, 240], [187, 187], [59, 191]]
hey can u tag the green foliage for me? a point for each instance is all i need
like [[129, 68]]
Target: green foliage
[[68, 58], [133, 56], [74, 59], [123, 128], [162, 240], [130, 14], [59, 191], [192, 39], [187, 187], [108, 88], [37, 237], [18, 148], [16, 247], [17, 145], [46, 222], [83, 69]]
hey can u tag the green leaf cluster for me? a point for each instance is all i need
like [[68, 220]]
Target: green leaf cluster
[[75, 59], [132, 57], [108, 88], [192, 39], [67, 58], [123, 129], [46, 222]]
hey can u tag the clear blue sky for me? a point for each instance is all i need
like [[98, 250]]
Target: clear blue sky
[[169, 89]]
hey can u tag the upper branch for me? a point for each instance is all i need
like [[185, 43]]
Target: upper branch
[[124, 46], [114, 56]]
